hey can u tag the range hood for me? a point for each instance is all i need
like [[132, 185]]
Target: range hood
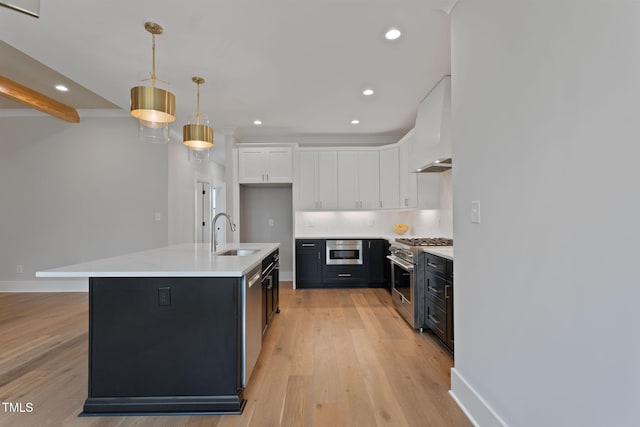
[[439, 165]]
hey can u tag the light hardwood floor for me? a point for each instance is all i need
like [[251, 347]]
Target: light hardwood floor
[[330, 358]]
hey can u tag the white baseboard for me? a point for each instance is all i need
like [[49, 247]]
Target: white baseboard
[[472, 404], [45, 285]]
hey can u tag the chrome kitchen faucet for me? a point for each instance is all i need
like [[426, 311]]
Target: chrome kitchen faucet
[[214, 241]]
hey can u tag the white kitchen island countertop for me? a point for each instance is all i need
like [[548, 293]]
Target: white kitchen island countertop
[[183, 260]]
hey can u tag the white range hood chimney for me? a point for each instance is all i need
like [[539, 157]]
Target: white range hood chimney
[[433, 130]]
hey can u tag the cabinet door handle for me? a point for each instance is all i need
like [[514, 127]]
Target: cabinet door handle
[[369, 245], [318, 255], [432, 265], [262, 177], [380, 203], [446, 291], [267, 177], [435, 290], [344, 274], [308, 245], [434, 319]]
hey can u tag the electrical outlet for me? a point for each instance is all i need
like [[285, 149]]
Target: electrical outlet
[[164, 296], [19, 269], [158, 216], [271, 222]]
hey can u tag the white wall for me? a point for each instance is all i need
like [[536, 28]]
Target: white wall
[[546, 136], [422, 222], [74, 192], [183, 175], [258, 205]]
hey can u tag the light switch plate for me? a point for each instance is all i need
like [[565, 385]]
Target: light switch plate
[[475, 212]]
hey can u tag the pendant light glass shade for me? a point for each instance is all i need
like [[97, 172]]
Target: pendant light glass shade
[[154, 132], [199, 156], [154, 107], [198, 135]]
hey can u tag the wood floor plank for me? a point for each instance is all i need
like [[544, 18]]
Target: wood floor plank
[[328, 414], [332, 357]]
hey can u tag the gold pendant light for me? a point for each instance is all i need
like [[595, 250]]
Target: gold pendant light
[[153, 106], [197, 136]]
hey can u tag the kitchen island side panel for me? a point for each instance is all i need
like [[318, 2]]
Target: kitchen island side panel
[[165, 337]]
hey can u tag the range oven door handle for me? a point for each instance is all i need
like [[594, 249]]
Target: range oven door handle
[[268, 269], [402, 264]]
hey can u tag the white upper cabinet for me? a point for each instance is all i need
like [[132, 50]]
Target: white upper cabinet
[[317, 180], [389, 178], [369, 179], [307, 180], [432, 132], [265, 165], [328, 180], [348, 180], [358, 179], [408, 178]]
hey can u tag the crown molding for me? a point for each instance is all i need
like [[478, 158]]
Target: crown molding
[[323, 140]]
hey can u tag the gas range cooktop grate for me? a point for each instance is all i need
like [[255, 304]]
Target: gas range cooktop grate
[[426, 241]]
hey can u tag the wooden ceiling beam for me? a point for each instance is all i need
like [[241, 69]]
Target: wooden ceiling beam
[[17, 92]]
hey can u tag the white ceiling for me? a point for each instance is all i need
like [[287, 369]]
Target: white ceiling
[[298, 65]]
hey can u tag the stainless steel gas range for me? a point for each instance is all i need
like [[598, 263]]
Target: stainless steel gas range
[[408, 276]]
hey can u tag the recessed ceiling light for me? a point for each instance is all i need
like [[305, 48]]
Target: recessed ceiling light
[[355, 121], [392, 34], [62, 88], [257, 122], [367, 92]]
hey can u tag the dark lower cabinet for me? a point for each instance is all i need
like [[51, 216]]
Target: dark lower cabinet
[[165, 345], [313, 272], [270, 288], [350, 276], [310, 259], [375, 259], [439, 297]]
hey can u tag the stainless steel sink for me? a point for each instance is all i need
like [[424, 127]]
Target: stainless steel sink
[[239, 252]]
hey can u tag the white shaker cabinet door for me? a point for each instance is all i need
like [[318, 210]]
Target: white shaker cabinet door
[[389, 178], [307, 180], [348, 180], [327, 180], [279, 162], [368, 180], [251, 165], [408, 178]]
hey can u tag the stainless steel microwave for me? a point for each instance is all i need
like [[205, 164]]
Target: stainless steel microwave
[[344, 252]]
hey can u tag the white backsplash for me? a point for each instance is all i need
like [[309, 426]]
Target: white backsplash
[[422, 223], [431, 222]]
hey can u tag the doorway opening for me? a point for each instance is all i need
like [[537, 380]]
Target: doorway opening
[[205, 211]]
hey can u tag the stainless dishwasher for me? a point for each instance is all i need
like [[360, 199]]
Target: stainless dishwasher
[[252, 308]]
